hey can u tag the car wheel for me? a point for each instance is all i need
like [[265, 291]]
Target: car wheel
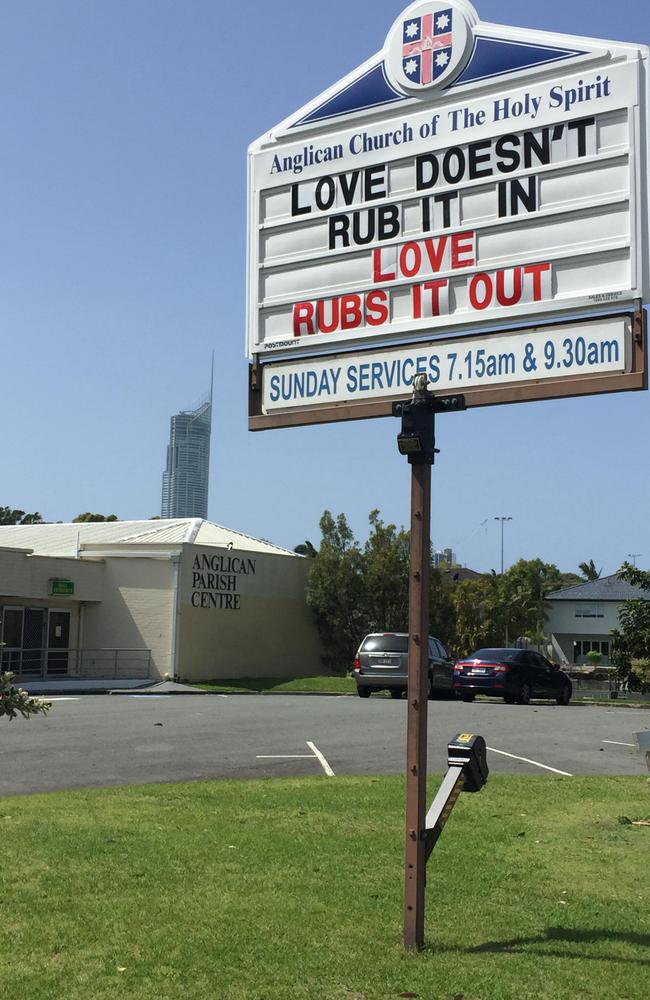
[[564, 696], [523, 698], [363, 692], [395, 693], [467, 696]]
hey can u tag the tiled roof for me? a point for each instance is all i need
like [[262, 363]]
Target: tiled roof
[[72, 540], [607, 588]]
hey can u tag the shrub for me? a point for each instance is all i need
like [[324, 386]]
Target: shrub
[[14, 701]]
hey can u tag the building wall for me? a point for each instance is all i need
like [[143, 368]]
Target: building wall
[[562, 617], [137, 611], [567, 627], [25, 583], [240, 614], [244, 614], [564, 647], [27, 576]]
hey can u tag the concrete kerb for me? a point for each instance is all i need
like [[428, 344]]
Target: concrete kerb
[[138, 686], [43, 689]]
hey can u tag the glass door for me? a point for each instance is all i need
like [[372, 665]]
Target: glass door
[[12, 639], [33, 636], [58, 643]]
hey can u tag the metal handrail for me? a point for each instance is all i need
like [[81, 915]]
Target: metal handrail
[[100, 663]]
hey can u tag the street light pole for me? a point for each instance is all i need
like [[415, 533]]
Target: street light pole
[[502, 519]]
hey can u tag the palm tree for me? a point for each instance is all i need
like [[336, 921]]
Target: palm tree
[[306, 549], [589, 571]]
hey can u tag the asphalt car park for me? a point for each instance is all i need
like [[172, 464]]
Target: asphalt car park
[[117, 740]]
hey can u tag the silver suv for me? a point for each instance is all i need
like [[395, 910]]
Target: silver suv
[[381, 664]]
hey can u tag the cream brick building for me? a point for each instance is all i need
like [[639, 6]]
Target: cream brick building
[[180, 598]]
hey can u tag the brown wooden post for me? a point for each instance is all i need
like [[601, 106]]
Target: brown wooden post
[[417, 440], [418, 682]]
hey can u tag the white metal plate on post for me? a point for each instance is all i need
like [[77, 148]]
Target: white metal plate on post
[[505, 186]]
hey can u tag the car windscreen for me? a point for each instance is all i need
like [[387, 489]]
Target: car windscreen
[[495, 655], [385, 644]]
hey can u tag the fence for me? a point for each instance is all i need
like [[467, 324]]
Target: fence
[[87, 664], [601, 686]]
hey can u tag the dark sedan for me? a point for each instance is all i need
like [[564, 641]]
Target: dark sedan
[[516, 675]]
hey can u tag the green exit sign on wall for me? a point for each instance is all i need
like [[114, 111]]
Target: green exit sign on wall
[[61, 588]]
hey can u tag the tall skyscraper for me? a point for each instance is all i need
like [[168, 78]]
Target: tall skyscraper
[[186, 478]]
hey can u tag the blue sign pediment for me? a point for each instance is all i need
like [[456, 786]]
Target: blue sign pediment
[[491, 57]]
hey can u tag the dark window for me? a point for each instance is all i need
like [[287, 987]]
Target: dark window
[[583, 646], [12, 632], [589, 611], [385, 644], [496, 655]]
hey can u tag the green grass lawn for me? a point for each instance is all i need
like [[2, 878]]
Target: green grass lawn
[[627, 701], [292, 890], [310, 685], [346, 685]]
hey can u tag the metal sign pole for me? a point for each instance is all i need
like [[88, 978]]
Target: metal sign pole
[[416, 738]]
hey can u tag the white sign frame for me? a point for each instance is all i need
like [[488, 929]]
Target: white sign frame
[[299, 283], [622, 371]]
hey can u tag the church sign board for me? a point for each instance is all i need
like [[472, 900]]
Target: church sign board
[[470, 203]]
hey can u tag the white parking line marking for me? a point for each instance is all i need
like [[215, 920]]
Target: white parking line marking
[[536, 763], [327, 769], [314, 755], [284, 756], [617, 743], [55, 698]]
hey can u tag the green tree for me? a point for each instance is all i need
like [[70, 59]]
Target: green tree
[[589, 571], [442, 615], [10, 516], [495, 610], [477, 608], [522, 593], [631, 641], [94, 518], [385, 575], [335, 592], [637, 577], [14, 701]]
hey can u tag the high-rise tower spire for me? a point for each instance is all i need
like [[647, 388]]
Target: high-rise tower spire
[[186, 477]]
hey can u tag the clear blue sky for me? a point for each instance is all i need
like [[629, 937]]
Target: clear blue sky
[[124, 129]]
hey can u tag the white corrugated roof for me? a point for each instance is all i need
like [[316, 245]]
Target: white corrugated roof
[[70, 540]]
